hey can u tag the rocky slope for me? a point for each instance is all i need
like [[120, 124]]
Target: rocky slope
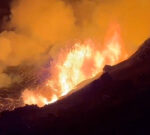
[[116, 103]]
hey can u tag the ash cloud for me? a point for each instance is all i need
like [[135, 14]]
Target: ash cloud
[[37, 29]]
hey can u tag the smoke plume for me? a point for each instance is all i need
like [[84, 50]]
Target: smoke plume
[[38, 29]]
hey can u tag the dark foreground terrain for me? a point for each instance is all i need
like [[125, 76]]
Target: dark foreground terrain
[[117, 103]]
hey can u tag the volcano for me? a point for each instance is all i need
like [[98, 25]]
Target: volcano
[[115, 103]]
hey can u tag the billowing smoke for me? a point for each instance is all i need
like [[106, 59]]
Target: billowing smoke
[[37, 29]]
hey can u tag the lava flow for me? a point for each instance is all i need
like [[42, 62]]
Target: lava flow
[[83, 61]]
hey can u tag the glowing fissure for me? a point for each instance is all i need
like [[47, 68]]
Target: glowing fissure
[[82, 62]]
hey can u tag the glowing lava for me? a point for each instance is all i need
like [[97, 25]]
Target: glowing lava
[[83, 61]]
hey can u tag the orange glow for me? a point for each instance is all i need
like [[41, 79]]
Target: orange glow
[[83, 61]]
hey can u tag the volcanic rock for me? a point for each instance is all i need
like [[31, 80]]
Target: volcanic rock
[[116, 103]]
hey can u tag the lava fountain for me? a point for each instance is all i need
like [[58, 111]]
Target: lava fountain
[[79, 63]]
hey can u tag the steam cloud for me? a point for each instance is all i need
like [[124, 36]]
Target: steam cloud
[[39, 28]]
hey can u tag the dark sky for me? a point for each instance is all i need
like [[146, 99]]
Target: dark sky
[[4, 11]]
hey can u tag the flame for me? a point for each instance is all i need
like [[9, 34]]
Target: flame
[[83, 61]]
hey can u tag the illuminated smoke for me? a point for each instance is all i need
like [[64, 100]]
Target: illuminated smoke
[[39, 29]]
